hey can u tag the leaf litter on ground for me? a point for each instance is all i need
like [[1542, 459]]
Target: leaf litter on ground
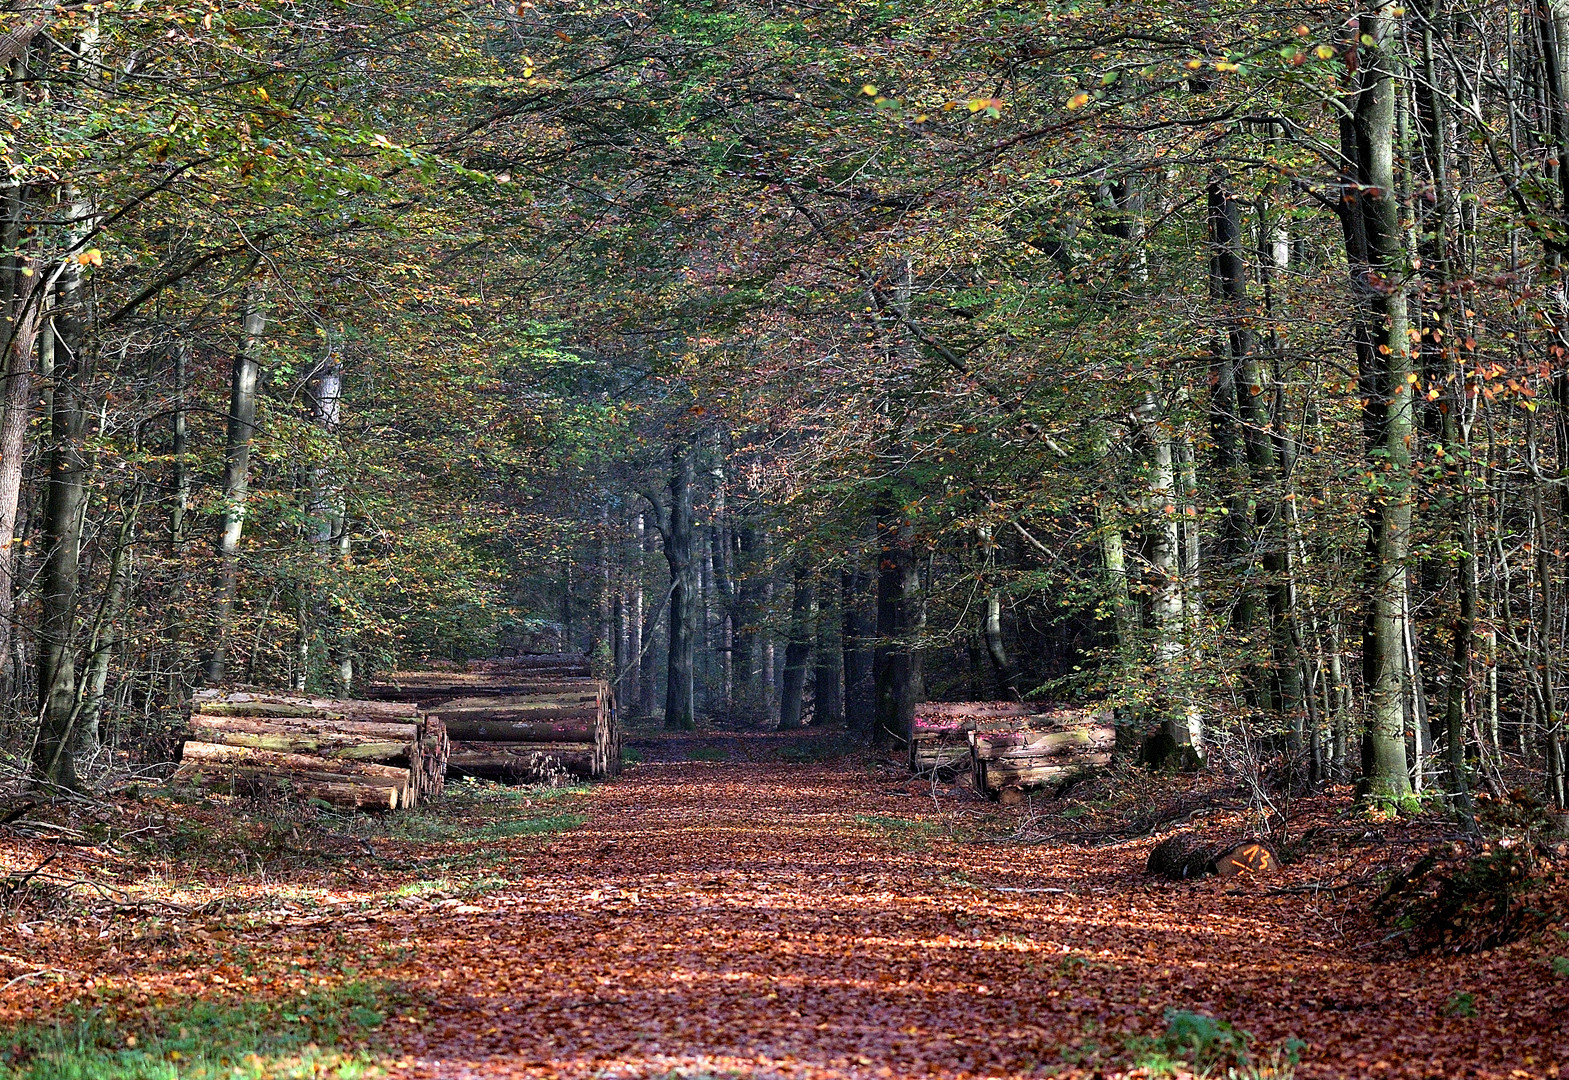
[[752, 918]]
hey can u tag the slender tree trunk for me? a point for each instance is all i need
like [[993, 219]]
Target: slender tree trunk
[[991, 620], [798, 649], [1374, 247], [1166, 584], [25, 328], [827, 691], [898, 670], [673, 516], [244, 381], [857, 636], [59, 705], [179, 506], [108, 630]]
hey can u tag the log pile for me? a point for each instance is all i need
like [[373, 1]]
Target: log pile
[[527, 719], [940, 736], [357, 755], [1052, 744]]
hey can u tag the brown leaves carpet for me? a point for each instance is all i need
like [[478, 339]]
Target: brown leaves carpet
[[775, 920], [763, 919]]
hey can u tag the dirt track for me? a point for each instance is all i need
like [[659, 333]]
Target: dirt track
[[714, 919]]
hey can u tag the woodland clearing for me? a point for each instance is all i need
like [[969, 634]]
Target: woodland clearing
[[755, 917]]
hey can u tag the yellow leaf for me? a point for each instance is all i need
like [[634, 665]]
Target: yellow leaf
[[1325, 52], [869, 90], [1078, 101]]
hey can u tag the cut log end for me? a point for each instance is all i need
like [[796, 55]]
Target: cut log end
[[1182, 857], [1248, 857]]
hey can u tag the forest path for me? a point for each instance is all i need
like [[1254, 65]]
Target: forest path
[[763, 920]]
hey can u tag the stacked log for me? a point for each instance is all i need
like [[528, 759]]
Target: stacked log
[[939, 738], [528, 719], [510, 676], [1048, 746], [358, 755]]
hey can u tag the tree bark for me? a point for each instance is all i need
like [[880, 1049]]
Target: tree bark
[[22, 328], [798, 650], [856, 636], [108, 630], [243, 385], [1370, 220], [991, 621], [673, 518], [898, 659], [58, 704], [827, 691]]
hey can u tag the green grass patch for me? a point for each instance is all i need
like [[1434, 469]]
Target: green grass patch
[[710, 753], [539, 826], [631, 755], [322, 1034], [902, 833], [481, 811], [1195, 1042]]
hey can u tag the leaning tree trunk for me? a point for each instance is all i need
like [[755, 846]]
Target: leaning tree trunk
[[107, 630], [798, 652], [245, 377]]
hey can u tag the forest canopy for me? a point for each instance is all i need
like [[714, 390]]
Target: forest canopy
[[799, 363]]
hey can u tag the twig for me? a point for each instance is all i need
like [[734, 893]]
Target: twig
[[29, 975], [1318, 886]]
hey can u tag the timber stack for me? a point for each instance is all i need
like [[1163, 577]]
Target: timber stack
[[1048, 746], [940, 738], [525, 719], [356, 755]]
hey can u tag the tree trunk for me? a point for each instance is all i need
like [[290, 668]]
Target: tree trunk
[[798, 650], [245, 377], [1166, 585], [673, 517], [856, 637], [827, 692], [23, 310], [108, 631], [58, 704], [897, 663], [991, 622], [1371, 222], [648, 662]]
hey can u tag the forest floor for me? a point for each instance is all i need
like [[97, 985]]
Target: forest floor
[[760, 906]]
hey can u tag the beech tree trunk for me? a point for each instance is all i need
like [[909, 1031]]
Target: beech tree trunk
[[58, 703], [1370, 219], [21, 328], [827, 691], [107, 630], [798, 650], [244, 380], [898, 659], [857, 636], [673, 518]]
